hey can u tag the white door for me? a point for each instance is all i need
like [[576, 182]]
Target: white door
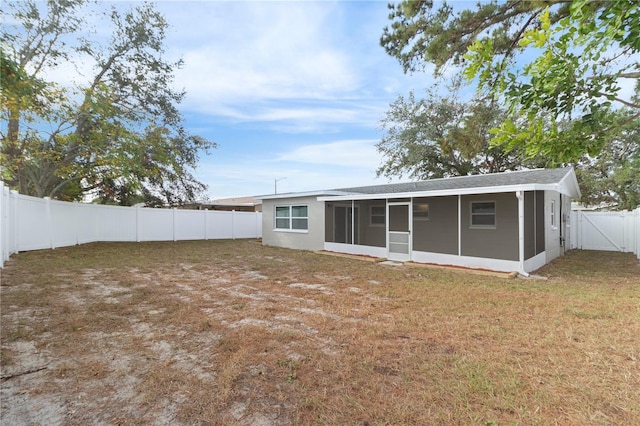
[[399, 231]]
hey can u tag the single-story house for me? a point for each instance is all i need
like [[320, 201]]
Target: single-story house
[[239, 204], [511, 221]]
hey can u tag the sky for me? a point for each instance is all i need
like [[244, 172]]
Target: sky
[[291, 91]]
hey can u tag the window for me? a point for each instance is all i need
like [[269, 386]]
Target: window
[[420, 211], [292, 218], [377, 216], [483, 214], [553, 213]]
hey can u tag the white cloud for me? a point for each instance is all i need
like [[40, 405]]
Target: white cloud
[[334, 164], [258, 178], [308, 117], [359, 154], [296, 66], [262, 52]]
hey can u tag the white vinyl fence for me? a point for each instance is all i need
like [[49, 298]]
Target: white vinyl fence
[[610, 231], [30, 223]]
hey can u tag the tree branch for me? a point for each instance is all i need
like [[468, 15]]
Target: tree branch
[[624, 123], [516, 38], [629, 74], [622, 101], [59, 186]]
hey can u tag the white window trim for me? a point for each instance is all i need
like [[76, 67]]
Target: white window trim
[[383, 215], [553, 215], [290, 229], [495, 215]]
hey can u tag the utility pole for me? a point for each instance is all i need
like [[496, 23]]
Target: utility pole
[[275, 184]]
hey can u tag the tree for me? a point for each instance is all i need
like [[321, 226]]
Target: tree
[[582, 49], [440, 137], [419, 35], [119, 133], [613, 177], [22, 96]]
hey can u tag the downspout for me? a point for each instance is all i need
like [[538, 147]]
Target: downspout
[[561, 223], [459, 225], [520, 196]]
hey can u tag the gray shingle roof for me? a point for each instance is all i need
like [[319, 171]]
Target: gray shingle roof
[[537, 176]]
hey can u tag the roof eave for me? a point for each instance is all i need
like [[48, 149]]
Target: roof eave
[[446, 192], [300, 195]]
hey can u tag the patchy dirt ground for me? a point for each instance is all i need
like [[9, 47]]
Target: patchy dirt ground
[[237, 333]]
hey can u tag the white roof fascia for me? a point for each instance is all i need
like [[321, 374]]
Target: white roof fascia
[[230, 204], [300, 194], [569, 184], [446, 192]]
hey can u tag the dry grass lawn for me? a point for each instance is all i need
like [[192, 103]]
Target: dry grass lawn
[[231, 332]]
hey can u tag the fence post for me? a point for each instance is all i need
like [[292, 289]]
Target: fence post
[[206, 213], [174, 224], [636, 221], [233, 224], [3, 229], [49, 221], [138, 224], [579, 234], [76, 213], [13, 219]]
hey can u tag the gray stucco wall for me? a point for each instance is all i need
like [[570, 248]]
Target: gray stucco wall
[[313, 239], [500, 242], [439, 234]]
